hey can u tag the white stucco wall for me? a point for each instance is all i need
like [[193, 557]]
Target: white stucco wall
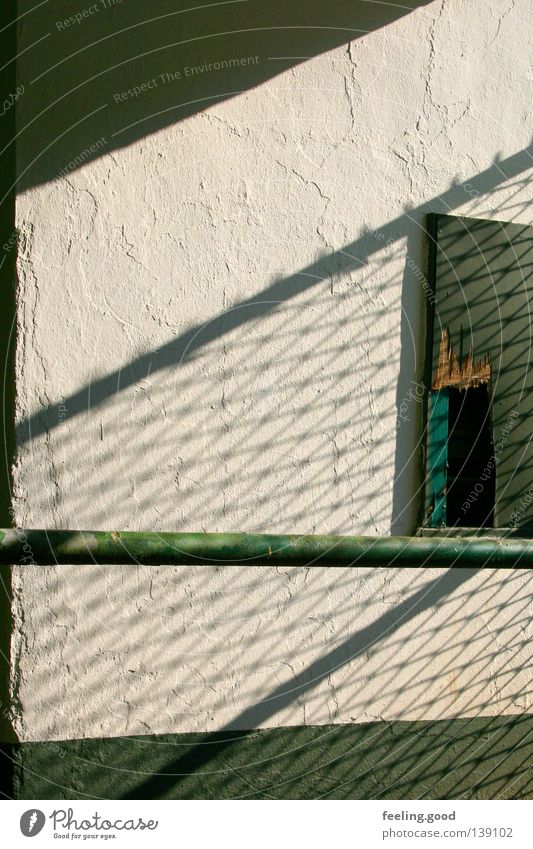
[[284, 420]]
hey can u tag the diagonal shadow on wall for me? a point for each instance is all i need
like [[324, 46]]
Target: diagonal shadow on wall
[[113, 77], [429, 596], [407, 229]]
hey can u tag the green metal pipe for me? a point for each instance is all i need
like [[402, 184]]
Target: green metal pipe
[[39, 547]]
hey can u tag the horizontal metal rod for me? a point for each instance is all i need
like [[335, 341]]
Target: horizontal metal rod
[[39, 547]]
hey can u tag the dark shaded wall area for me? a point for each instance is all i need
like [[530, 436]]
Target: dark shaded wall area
[[480, 758]]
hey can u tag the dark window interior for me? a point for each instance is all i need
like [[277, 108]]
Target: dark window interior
[[471, 472]]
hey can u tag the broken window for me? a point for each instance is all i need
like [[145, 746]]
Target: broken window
[[479, 455]]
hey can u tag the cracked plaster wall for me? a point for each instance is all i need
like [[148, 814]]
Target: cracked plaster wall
[[284, 421]]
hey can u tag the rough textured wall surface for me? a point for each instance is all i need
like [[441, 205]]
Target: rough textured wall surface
[[221, 322]]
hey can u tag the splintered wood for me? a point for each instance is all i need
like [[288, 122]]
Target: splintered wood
[[466, 374]]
